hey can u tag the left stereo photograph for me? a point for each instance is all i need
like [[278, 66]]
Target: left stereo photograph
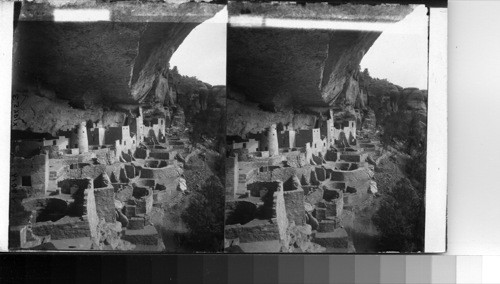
[[118, 128]]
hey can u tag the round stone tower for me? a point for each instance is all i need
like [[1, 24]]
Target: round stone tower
[[83, 142], [272, 137]]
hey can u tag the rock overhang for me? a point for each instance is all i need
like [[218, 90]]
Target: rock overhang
[[279, 67], [123, 60]]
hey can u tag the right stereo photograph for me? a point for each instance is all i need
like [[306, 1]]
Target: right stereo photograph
[[327, 128]]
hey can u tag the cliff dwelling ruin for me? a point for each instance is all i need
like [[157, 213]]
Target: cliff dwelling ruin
[[302, 140], [113, 148], [103, 151]]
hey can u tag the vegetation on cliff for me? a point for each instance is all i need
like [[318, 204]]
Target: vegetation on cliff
[[203, 108], [400, 218], [204, 217]]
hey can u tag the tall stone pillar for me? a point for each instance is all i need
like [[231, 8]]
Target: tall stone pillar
[[308, 153], [330, 131], [83, 141], [139, 127], [232, 176], [272, 138]]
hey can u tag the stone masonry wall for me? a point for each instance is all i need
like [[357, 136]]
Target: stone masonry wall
[[294, 205], [91, 217], [37, 168], [104, 202], [247, 234], [281, 215]]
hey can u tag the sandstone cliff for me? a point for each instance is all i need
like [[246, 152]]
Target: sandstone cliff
[[280, 67], [244, 118], [42, 115], [122, 61]]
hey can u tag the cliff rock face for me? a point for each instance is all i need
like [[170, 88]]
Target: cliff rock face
[[415, 99], [385, 97], [122, 61], [278, 67], [248, 118], [218, 93], [43, 115], [313, 68]]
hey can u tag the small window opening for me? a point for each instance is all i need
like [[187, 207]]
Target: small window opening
[[26, 180]]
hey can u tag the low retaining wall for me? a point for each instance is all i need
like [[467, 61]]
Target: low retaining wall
[[253, 233], [349, 176], [65, 229]]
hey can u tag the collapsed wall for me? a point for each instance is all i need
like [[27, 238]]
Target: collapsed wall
[[254, 226], [79, 221]]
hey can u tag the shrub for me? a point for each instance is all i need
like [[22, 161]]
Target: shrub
[[400, 219], [204, 216]]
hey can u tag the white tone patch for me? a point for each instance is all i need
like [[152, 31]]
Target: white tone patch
[[437, 151], [83, 15], [6, 32]]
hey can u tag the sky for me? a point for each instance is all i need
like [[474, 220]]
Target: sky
[[203, 52], [400, 53]]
